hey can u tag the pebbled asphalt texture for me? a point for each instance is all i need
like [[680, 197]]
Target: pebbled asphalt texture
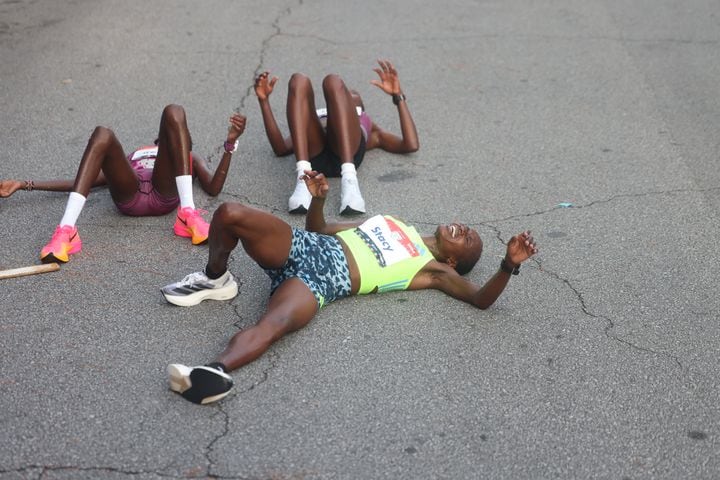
[[594, 124]]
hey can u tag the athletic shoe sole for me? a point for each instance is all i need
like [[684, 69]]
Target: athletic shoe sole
[[351, 211], [201, 385], [63, 257], [299, 209], [182, 231], [223, 293]]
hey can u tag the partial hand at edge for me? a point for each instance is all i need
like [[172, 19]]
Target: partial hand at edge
[[8, 187]]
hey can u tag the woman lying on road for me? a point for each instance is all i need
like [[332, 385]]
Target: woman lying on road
[[326, 261], [153, 180], [337, 146]]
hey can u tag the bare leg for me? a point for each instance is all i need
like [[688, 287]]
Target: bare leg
[[308, 136], [104, 152], [344, 136], [265, 238], [343, 125], [291, 307], [173, 159]]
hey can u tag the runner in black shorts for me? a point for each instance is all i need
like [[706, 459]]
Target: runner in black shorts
[[333, 140]]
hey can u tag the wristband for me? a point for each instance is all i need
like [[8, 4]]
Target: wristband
[[29, 185], [231, 147], [398, 97], [505, 267]]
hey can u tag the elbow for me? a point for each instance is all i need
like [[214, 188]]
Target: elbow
[[413, 146], [483, 305]]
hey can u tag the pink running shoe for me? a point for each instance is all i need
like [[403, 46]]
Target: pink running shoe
[[190, 224], [65, 240]]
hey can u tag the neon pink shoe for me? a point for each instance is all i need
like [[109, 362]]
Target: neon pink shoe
[[190, 224], [65, 240]]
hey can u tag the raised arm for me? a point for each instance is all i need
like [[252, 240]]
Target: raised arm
[[390, 83], [315, 218], [442, 277], [264, 85], [8, 187], [213, 183]]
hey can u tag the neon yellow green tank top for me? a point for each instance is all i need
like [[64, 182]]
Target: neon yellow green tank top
[[388, 253]]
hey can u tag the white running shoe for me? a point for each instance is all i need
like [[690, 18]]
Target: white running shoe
[[197, 287], [351, 200], [299, 201], [200, 385]]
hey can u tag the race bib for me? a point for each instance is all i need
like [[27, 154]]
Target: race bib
[[387, 240], [144, 157]]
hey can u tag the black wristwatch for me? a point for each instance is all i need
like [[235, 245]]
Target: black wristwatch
[[508, 269], [398, 97]]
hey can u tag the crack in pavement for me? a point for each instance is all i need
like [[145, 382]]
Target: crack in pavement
[[250, 91], [488, 223], [607, 200], [209, 448], [610, 323]]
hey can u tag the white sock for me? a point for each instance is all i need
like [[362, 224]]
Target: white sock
[[185, 192], [301, 166], [74, 206], [348, 169]]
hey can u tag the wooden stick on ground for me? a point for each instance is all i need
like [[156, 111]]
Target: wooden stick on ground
[[32, 270]]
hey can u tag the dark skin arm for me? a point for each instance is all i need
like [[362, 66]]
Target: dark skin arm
[[212, 183], [443, 277], [315, 219], [264, 85], [8, 187], [389, 83]]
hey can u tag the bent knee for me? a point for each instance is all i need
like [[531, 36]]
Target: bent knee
[[299, 80], [174, 113], [103, 135], [230, 213], [333, 81]]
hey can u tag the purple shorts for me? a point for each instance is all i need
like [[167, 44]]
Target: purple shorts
[[147, 202]]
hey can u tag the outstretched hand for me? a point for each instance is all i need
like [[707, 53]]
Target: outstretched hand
[[264, 85], [8, 187], [237, 127], [520, 248], [316, 183], [389, 81]]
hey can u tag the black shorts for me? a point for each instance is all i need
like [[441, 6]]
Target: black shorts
[[328, 163]]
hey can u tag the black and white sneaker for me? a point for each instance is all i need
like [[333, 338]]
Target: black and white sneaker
[[201, 385], [197, 287]]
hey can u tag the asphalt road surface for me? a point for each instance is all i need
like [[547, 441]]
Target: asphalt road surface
[[594, 124]]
